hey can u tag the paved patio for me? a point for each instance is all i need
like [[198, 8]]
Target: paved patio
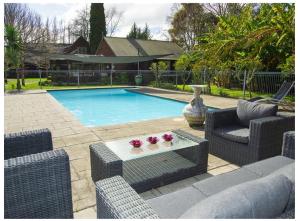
[[38, 109]]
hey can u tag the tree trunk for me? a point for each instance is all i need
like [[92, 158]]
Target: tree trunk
[[23, 79], [208, 87], [18, 82]]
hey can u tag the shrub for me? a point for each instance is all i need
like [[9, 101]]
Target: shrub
[[124, 78], [45, 83], [223, 93], [169, 86]]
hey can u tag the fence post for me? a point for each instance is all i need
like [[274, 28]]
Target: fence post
[[244, 84], [78, 81], [111, 74], [176, 79], [40, 75]]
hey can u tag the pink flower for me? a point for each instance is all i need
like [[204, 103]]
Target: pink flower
[[136, 143], [152, 140], [167, 137]]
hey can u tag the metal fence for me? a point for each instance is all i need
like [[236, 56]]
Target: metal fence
[[263, 82]]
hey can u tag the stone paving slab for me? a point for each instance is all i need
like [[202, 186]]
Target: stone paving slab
[[35, 110]]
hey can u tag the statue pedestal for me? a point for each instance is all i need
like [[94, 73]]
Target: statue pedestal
[[195, 111]]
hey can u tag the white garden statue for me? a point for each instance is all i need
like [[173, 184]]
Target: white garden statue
[[195, 111]]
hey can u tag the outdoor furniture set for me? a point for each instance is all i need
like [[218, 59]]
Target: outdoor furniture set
[[37, 181], [249, 133], [265, 189]]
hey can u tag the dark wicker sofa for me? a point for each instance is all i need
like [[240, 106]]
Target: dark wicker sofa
[[240, 145], [37, 181], [215, 197]]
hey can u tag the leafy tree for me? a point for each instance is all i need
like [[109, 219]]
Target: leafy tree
[[97, 25], [258, 38], [184, 65], [189, 22], [158, 69], [266, 35], [13, 50]]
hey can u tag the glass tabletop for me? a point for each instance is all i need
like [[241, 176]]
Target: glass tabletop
[[125, 151]]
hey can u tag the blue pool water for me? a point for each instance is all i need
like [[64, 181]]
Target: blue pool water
[[97, 107]]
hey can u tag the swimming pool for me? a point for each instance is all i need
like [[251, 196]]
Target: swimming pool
[[99, 107]]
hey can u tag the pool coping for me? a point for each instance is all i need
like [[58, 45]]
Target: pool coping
[[167, 98], [92, 88], [151, 95]]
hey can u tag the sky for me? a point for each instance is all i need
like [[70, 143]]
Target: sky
[[155, 15]]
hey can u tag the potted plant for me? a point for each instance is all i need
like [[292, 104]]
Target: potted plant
[[138, 79]]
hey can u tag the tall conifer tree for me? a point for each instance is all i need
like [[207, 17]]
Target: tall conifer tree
[[97, 25]]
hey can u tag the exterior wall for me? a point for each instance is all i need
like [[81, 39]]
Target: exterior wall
[[104, 49]]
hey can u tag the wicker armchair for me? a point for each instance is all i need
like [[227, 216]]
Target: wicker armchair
[[25, 143], [36, 185], [263, 137]]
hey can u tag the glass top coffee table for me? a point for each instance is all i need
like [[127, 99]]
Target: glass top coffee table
[[125, 151], [150, 165]]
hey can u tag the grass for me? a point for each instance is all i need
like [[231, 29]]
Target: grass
[[33, 84], [233, 93]]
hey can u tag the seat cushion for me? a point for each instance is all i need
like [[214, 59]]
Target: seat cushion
[[234, 133], [289, 172], [218, 183], [247, 111], [266, 197], [267, 166], [174, 204]]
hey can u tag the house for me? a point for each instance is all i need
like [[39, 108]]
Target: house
[[115, 46], [120, 55]]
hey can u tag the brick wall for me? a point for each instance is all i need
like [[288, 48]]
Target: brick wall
[[104, 49]]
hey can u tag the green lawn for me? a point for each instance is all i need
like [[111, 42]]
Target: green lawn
[[234, 93], [33, 84]]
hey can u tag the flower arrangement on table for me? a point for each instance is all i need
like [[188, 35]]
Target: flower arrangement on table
[[167, 137], [152, 140], [136, 143]]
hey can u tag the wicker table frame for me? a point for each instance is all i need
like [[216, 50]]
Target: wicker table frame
[[151, 171]]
